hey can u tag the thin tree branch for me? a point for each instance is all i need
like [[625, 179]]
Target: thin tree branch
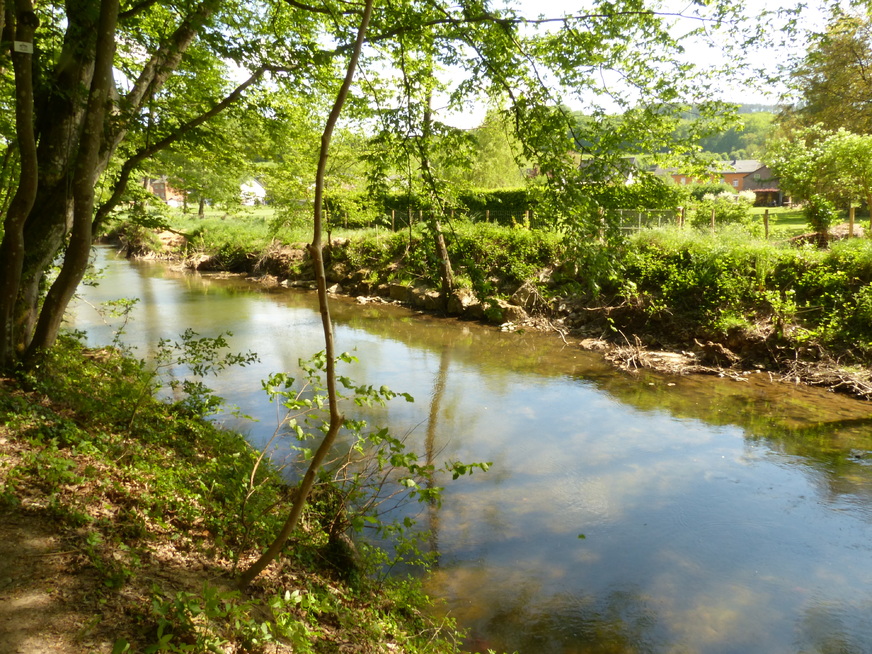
[[144, 153], [336, 418]]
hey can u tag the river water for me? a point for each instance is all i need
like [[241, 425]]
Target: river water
[[622, 513]]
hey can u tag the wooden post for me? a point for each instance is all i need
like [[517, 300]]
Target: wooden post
[[851, 222], [487, 215], [713, 220], [766, 223], [393, 220]]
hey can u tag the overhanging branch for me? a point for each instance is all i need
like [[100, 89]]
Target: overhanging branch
[[144, 153]]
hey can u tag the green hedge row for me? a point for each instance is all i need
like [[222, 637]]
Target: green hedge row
[[357, 209]]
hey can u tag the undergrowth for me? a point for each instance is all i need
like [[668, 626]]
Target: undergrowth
[[733, 280], [162, 507]]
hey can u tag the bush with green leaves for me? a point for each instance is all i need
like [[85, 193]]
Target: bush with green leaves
[[697, 191], [820, 213], [728, 207], [708, 284], [372, 468]]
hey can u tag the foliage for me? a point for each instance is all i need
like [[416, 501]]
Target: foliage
[[817, 163], [830, 81], [180, 486], [495, 163], [356, 209], [708, 284], [796, 161], [820, 213], [353, 209], [728, 207], [746, 140], [166, 98], [698, 190], [514, 202], [480, 252]]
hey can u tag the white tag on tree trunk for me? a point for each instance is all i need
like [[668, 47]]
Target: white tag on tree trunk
[[23, 46]]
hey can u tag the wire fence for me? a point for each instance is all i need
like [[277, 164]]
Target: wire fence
[[630, 220], [627, 220]]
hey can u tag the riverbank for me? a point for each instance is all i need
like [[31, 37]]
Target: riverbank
[[125, 522], [680, 301]]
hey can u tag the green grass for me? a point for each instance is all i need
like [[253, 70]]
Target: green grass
[[785, 222]]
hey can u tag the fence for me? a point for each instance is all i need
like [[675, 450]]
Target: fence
[[628, 220]]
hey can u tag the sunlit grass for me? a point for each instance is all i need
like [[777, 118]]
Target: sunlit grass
[[785, 222]]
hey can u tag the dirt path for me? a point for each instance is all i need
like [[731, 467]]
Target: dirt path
[[42, 597]]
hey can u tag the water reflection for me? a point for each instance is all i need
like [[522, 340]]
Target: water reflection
[[717, 516]]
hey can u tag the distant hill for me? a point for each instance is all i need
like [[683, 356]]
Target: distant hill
[[758, 108]]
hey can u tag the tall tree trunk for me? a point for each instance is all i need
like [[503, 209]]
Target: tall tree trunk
[[12, 249], [201, 209], [57, 124], [316, 250], [446, 273], [85, 177]]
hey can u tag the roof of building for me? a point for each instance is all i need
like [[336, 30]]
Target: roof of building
[[743, 166]]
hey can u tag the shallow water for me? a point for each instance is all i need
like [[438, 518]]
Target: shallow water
[[623, 513]]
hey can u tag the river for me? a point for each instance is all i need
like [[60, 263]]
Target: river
[[622, 513]]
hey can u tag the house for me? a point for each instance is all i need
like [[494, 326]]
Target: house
[[252, 192], [732, 173], [742, 175], [161, 189], [765, 186]]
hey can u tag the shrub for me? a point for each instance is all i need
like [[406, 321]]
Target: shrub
[[820, 213], [729, 208]]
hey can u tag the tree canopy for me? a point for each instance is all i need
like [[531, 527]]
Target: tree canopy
[[833, 165], [833, 81]]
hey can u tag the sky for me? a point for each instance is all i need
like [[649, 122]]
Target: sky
[[744, 89]]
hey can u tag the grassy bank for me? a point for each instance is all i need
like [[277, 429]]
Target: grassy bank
[[771, 303], [151, 512]]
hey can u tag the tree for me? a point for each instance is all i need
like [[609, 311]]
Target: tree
[[798, 161], [833, 81], [824, 168], [744, 141], [848, 160], [317, 251], [92, 83], [496, 153], [112, 83]]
